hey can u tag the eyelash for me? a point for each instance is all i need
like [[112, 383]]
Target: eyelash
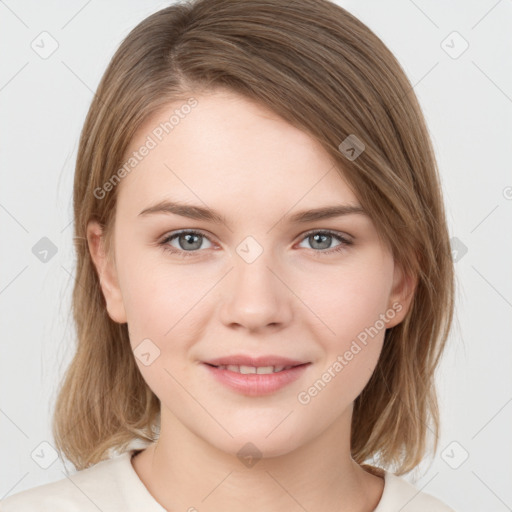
[[320, 253]]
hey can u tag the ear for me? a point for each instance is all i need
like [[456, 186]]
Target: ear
[[107, 273], [402, 294]]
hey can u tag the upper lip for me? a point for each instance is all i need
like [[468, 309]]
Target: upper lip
[[257, 361]]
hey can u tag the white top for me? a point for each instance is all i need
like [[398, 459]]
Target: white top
[[113, 485]]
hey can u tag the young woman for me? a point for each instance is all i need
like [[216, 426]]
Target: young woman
[[264, 279]]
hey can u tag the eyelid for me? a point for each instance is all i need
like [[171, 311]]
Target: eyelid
[[341, 234], [175, 233]]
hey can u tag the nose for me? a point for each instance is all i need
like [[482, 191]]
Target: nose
[[256, 296]]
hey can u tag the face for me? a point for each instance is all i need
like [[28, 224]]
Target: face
[[258, 282]]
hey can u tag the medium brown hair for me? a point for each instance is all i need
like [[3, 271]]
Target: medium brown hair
[[325, 72]]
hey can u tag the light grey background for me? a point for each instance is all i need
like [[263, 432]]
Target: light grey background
[[467, 102]]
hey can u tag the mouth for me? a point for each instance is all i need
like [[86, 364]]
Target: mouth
[[255, 376], [260, 370], [250, 361]]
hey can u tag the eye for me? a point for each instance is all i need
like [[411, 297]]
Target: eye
[[323, 239], [188, 241]]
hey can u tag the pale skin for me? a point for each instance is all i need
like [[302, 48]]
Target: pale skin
[[241, 160]]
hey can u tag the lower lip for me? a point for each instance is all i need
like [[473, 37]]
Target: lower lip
[[257, 384]]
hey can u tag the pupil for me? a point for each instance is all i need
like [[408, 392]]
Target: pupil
[[323, 238], [190, 242]]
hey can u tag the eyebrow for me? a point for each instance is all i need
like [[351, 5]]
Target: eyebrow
[[207, 214]]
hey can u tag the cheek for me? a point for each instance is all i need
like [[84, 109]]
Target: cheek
[[162, 304], [156, 293], [159, 313], [350, 304], [349, 299]]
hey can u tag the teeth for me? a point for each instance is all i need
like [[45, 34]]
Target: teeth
[[247, 369], [253, 369], [268, 369]]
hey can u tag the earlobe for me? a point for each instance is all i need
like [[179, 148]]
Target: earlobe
[[402, 294], [107, 273]]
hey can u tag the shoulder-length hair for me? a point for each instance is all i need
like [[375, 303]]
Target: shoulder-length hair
[[325, 72]]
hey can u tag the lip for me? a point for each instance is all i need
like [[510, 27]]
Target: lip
[[244, 360], [257, 384]]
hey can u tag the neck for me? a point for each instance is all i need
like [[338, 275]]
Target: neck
[[185, 472]]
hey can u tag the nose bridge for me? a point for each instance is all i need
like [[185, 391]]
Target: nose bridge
[[252, 273], [256, 296], [253, 267]]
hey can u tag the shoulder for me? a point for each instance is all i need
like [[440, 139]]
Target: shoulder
[[95, 488], [401, 495]]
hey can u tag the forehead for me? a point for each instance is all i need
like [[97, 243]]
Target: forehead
[[228, 150]]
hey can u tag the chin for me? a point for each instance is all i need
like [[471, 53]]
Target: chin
[[257, 442]]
